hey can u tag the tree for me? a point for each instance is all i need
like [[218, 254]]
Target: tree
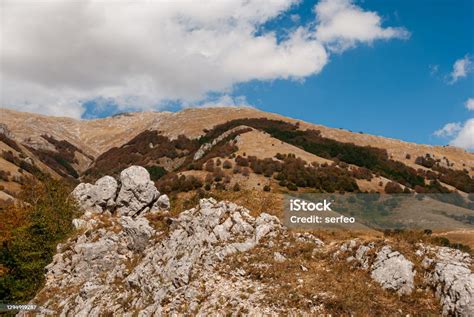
[[393, 188], [236, 187], [218, 174], [209, 166], [227, 164], [28, 246]]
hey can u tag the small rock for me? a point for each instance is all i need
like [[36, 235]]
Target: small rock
[[278, 257]]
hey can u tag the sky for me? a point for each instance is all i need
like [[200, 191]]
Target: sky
[[401, 69]]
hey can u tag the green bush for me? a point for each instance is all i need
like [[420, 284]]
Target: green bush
[[156, 172], [28, 248]]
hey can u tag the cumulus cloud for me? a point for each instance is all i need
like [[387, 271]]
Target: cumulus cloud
[[470, 104], [461, 135], [465, 137], [449, 129], [142, 54], [342, 25], [461, 68]]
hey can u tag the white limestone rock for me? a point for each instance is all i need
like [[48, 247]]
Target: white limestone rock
[[137, 191], [393, 271]]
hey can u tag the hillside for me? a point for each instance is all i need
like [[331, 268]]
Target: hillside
[[155, 192], [96, 136], [228, 149], [132, 254]]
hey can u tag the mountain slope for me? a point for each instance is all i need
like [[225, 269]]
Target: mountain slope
[[249, 140], [96, 136]]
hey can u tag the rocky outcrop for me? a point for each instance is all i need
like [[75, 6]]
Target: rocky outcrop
[[5, 131], [137, 191], [127, 261], [387, 267], [449, 273], [136, 194], [98, 197], [393, 271], [122, 264]]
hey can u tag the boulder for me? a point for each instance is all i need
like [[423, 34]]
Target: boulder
[[97, 197], [86, 196], [449, 272], [161, 204], [106, 189], [137, 191], [393, 271], [125, 260]]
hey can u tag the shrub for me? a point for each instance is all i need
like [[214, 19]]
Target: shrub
[[227, 164], [171, 182], [4, 175], [209, 166], [156, 172], [267, 188], [241, 161], [393, 188], [237, 169], [218, 174], [362, 173], [27, 246], [236, 187]]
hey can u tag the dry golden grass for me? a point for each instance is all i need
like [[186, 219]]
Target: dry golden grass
[[340, 288], [255, 201]]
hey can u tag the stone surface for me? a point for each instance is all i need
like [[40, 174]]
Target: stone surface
[[161, 204], [136, 195], [106, 189], [86, 196], [390, 269], [122, 264], [393, 271], [449, 272], [136, 192]]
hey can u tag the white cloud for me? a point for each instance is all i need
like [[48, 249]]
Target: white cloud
[[461, 68], [56, 54], [465, 137], [461, 135], [470, 104], [342, 25], [449, 129]]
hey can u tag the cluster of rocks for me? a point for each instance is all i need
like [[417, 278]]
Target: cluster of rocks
[[448, 271], [122, 264], [127, 262], [135, 195], [387, 267]]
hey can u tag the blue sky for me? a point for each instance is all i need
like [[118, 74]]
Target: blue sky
[[380, 67], [387, 88]]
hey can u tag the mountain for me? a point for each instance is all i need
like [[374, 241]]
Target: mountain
[[171, 213], [65, 147]]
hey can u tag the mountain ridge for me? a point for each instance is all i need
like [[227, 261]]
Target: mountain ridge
[[72, 147]]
